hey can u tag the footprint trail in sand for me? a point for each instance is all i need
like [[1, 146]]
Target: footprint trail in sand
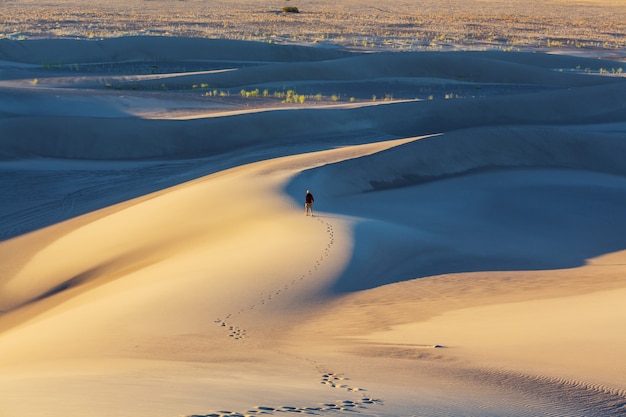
[[332, 380], [237, 332]]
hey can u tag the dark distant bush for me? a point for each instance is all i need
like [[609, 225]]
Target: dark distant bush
[[290, 9]]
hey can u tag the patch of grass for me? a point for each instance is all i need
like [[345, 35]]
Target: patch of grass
[[289, 96], [53, 65], [248, 94]]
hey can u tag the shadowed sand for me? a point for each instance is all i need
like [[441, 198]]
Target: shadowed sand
[[466, 254]]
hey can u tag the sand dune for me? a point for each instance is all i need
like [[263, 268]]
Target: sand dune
[[125, 137], [466, 254], [42, 51]]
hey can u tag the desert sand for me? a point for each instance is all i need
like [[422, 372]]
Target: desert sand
[[466, 256]]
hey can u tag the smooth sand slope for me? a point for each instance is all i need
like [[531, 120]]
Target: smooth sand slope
[[466, 256]]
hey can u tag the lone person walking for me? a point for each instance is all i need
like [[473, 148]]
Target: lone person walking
[[308, 203]]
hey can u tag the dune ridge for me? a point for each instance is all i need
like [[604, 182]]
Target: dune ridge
[[204, 137], [141, 48], [214, 135], [480, 149]]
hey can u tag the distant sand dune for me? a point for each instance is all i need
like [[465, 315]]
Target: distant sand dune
[[210, 136], [64, 136], [68, 51]]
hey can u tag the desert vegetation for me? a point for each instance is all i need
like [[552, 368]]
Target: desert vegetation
[[369, 24]]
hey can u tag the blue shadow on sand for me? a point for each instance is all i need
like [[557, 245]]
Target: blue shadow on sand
[[506, 220]]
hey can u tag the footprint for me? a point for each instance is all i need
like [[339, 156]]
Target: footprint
[[337, 381], [264, 408]]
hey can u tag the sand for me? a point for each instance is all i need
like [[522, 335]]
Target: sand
[[466, 254]]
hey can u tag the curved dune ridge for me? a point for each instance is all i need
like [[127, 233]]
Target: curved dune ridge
[[466, 254]]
